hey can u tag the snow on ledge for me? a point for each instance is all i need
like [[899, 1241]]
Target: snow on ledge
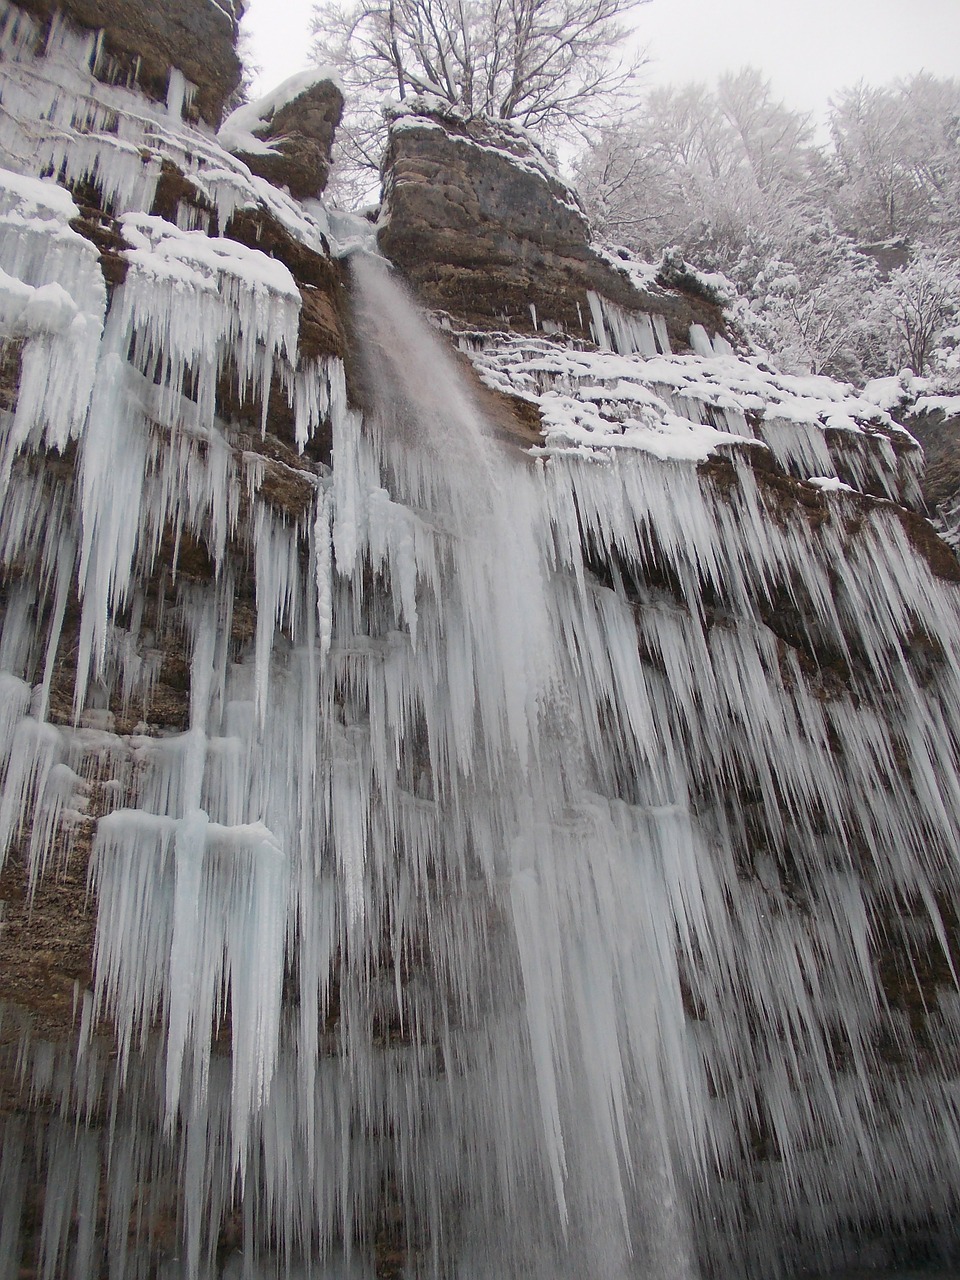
[[198, 261], [908, 393], [685, 407], [39, 194], [830, 484], [949, 406], [240, 129]]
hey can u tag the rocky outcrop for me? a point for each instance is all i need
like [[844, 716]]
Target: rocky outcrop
[[476, 218], [939, 434], [142, 42], [889, 255], [938, 431], [287, 137], [933, 421]]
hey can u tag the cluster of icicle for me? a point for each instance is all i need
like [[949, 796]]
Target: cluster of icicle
[[514, 892], [686, 406]]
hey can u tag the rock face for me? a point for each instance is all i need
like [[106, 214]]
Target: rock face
[[938, 431], [477, 220], [934, 421], [295, 132], [143, 41]]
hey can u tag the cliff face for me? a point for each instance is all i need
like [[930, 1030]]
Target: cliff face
[[475, 216], [141, 43], [478, 798], [139, 172], [935, 423]]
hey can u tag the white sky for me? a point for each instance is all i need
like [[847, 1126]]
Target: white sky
[[808, 48]]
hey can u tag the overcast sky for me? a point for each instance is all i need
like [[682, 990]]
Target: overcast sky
[[808, 48]]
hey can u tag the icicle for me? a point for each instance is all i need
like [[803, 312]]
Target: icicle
[[323, 553], [538, 836], [700, 342], [625, 332], [52, 300], [193, 300], [176, 94]]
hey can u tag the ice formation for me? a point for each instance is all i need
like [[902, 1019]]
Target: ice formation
[[519, 882]]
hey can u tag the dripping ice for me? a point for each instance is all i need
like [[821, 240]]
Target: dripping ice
[[438, 794]]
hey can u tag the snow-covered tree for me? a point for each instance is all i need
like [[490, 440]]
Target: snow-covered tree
[[774, 141], [919, 304], [698, 168], [812, 308], [897, 149], [731, 177]]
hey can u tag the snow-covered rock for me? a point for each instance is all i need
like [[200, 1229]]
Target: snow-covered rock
[[287, 135]]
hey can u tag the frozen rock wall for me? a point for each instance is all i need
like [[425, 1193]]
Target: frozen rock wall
[[141, 44], [476, 218], [424, 855]]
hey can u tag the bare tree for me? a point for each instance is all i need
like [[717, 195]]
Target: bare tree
[[549, 65]]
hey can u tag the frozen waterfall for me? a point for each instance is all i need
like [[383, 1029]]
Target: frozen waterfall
[[549, 866]]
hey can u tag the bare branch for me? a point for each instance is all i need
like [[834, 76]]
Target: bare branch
[[548, 64]]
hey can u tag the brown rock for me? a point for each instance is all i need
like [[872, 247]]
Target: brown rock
[[476, 220], [10, 354], [939, 436], [104, 231], [302, 133], [143, 41], [175, 190]]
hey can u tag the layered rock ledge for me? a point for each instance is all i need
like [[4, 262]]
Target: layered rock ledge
[[476, 218]]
